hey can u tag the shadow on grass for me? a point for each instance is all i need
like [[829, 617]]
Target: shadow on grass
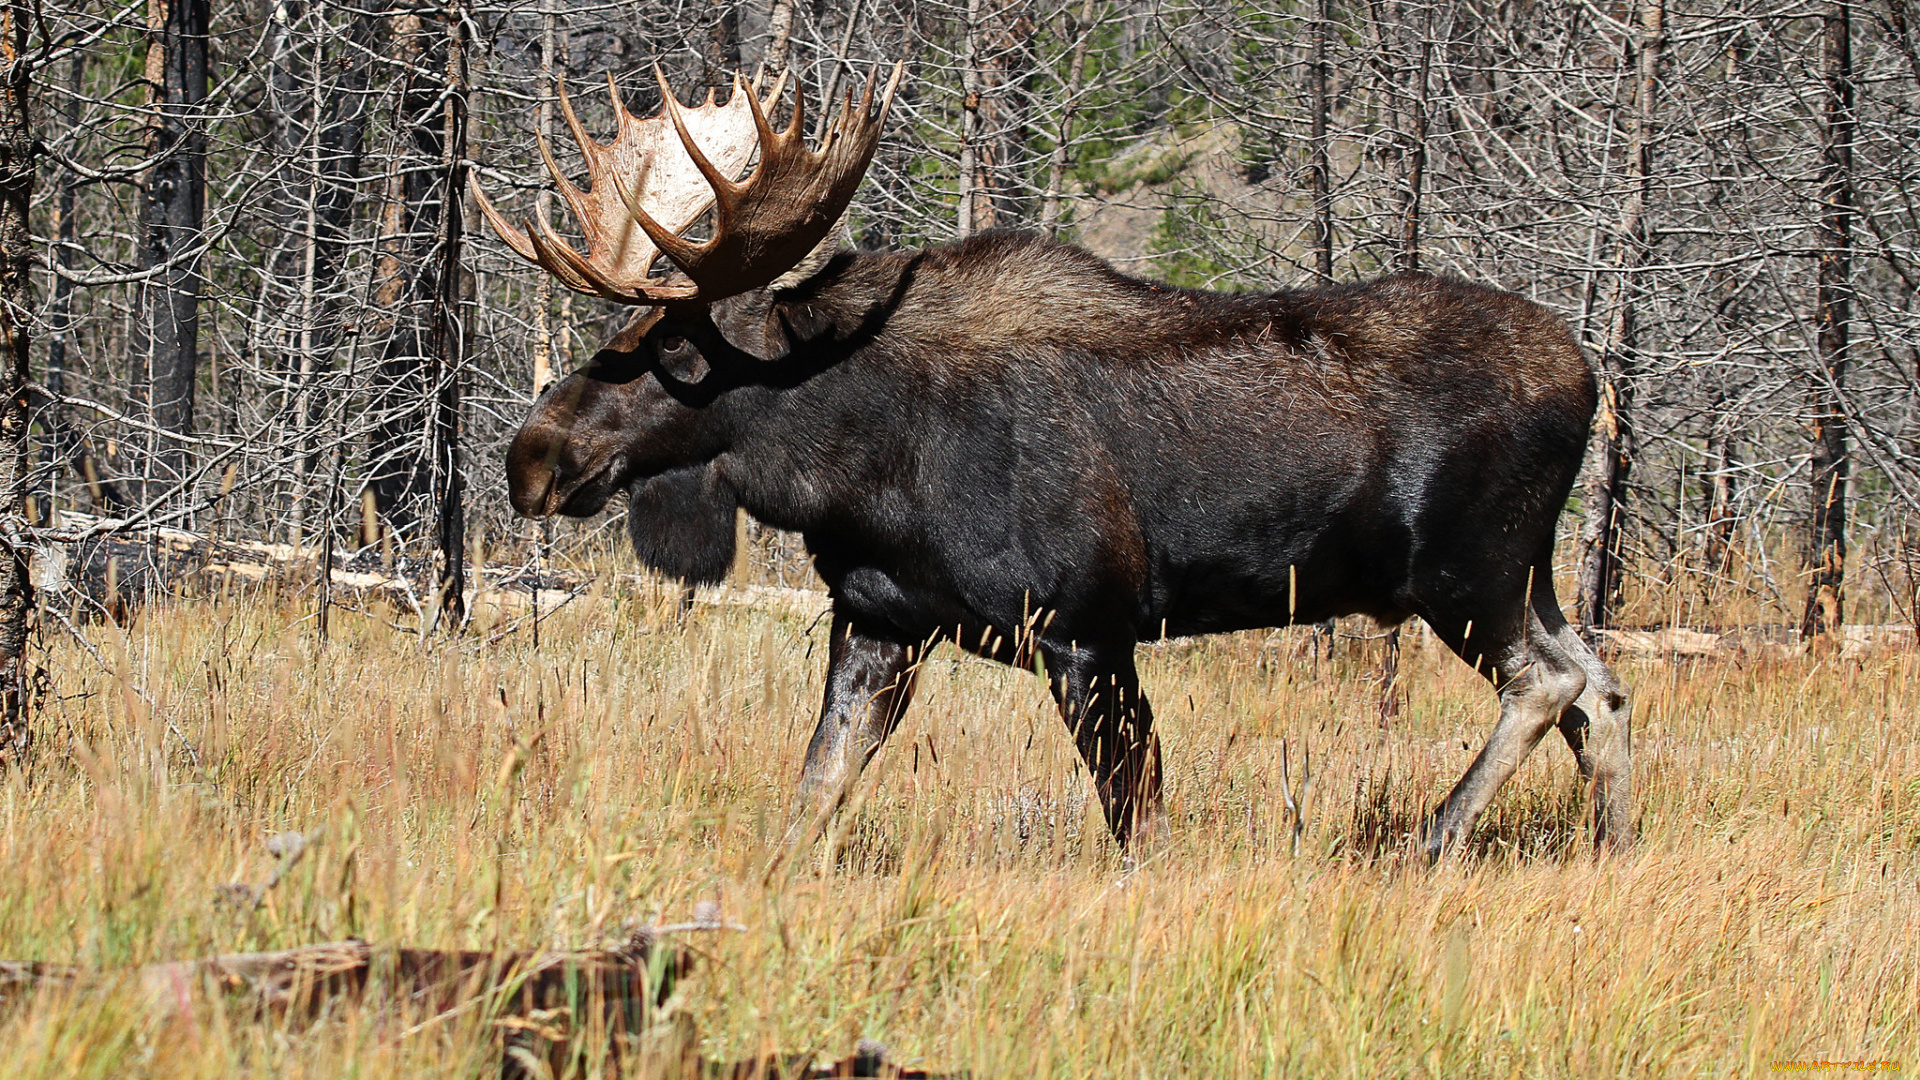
[[1524, 824]]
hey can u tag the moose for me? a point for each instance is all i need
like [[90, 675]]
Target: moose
[[1006, 444]]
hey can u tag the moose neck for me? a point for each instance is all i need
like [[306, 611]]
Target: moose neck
[[799, 423]]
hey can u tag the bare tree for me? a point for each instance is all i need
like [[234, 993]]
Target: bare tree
[[721, 56], [1079, 30], [452, 335], [1832, 315], [16, 268], [1320, 167], [1606, 493], [166, 355], [779, 36]]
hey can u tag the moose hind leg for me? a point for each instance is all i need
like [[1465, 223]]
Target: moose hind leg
[[1112, 725], [869, 685], [1537, 681]]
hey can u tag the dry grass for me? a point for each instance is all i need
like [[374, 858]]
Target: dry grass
[[969, 911]]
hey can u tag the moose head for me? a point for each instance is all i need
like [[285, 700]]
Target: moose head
[[640, 414]]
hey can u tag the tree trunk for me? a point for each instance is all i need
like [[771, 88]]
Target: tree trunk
[[406, 282], [971, 123], [1833, 296], [451, 337], [1080, 30], [288, 296], [1413, 137], [543, 345], [1319, 169], [1717, 555], [16, 270], [1600, 537], [779, 37], [167, 327], [996, 48], [721, 53]]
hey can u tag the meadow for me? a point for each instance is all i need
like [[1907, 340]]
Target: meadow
[[967, 909]]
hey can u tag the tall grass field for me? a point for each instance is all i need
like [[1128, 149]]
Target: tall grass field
[[968, 908]]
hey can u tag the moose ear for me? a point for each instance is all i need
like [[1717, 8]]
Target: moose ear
[[801, 323], [681, 524]]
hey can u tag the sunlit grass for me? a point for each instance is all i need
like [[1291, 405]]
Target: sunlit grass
[[969, 909]]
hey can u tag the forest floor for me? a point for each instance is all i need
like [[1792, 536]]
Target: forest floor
[[968, 909]]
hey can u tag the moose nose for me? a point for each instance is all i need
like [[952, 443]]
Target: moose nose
[[544, 454], [530, 474]]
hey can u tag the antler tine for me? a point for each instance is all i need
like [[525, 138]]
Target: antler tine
[[766, 224], [593, 153], [514, 238], [558, 258], [779, 84], [527, 244], [797, 125]]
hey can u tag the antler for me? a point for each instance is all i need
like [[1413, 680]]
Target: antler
[[763, 227], [619, 254]]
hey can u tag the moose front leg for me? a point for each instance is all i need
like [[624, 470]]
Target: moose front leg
[[869, 683], [1112, 724]]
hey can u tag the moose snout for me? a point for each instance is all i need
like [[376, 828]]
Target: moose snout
[[564, 460], [541, 458], [531, 476]]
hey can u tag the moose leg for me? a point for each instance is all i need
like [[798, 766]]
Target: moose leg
[[1598, 725], [869, 683], [1537, 681], [1112, 724]]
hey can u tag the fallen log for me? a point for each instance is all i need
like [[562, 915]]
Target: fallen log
[[1778, 642], [116, 572], [304, 978], [540, 1006]]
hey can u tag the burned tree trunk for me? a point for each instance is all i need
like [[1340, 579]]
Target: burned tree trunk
[[404, 278], [1601, 534], [415, 441], [997, 39], [16, 267], [1319, 168], [166, 345], [451, 339], [422, 291], [1827, 553], [720, 53]]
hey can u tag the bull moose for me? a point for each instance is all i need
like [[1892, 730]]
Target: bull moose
[[1004, 443]]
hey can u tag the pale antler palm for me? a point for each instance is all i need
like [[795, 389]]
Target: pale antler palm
[[642, 195]]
